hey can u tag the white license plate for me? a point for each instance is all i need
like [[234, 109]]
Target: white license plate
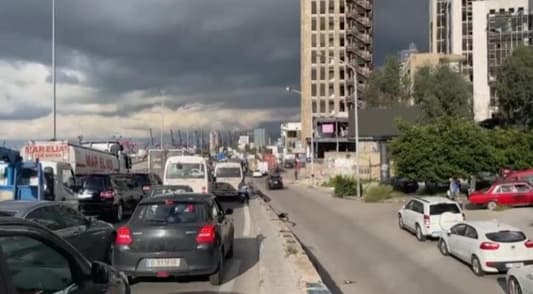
[[85, 195], [163, 262], [515, 264]]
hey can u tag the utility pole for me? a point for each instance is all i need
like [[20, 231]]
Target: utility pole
[[162, 119]]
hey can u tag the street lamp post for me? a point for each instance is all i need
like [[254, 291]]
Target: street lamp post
[[54, 65], [291, 90], [162, 119]]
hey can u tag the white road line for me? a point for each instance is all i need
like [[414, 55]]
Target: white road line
[[231, 272], [247, 220]]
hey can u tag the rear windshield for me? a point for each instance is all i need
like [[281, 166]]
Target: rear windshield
[[439, 209], [506, 236], [171, 212], [228, 172], [95, 183], [186, 171], [142, 179], [159, 190]]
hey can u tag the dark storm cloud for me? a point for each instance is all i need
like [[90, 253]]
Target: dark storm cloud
[[233, 53], [24, 113]]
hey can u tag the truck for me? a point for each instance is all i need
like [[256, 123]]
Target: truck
[[35, 180], [158, 157], [83, 160], [271, 161]]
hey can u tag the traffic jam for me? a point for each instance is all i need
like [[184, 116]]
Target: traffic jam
[[78, 218], [486, 246]]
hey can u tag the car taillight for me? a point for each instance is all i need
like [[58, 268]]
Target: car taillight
[[146, 188], [529, 244], [489, 246], [123, 236], [206, 235], [107, 194], [427, 221]]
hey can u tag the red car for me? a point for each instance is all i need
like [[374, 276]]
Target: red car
[[504, 193]]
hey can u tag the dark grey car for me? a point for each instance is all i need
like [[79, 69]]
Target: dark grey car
[[175, 235], [92, 237]]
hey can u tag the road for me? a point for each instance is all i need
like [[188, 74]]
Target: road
[[241, 273], [358, 247]]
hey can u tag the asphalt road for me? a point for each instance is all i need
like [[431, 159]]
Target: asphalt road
[[358, 248], [241, 274]]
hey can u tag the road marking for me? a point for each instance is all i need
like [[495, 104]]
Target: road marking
[[231, 272], [246, 229]]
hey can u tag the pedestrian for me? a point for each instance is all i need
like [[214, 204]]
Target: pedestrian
[[296, 171], [454, 189]]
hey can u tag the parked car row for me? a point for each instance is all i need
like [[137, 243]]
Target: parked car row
[[486, 246]]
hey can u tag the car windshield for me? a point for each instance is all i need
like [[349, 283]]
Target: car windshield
[[228, 172], [441, 208], [186, 171], [506, 236], [171, 212], [160, 190]]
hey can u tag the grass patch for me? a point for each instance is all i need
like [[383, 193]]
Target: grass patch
[[379, 193]]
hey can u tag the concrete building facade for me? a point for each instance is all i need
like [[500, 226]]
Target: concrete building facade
[[260, 138], [460, 27], [333, 32], [290, 138]]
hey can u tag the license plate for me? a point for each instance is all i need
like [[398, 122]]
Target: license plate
[[515, 264], [163, 262], [85, 195]]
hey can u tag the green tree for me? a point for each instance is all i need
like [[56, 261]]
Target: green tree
[[514, 88], [444, 148], [440, 91], [386, 86]]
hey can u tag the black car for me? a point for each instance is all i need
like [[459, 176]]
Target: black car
[[35, 260], [109, 196], [172, 189], [146, 181], [90, 236], [175, 235], [274, 182]]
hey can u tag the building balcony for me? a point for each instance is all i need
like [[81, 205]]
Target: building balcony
[[363, 37], [365, 21], [365, 55], [364, 4]]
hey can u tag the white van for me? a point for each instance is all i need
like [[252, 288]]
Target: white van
[[192, 171], [229, 177]]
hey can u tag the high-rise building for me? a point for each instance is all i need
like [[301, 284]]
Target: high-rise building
[[460, 27], [260, 138], [336, 35]]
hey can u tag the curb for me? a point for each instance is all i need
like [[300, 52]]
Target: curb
[[308, 278]]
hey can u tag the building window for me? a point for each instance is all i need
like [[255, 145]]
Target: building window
[[322, 7], [313, 24], [341, 23], [341, 7], [331, 23], [313, 40], [342, 106], [313, 57], [331, 40], [341, 74], [341, 90], [331, 106], [313, 74], [331, 6], [313, 90], [322, 40], [313, 7], [322, 23], [323, 57], [331, 90], [511, 10], [322, 73], [341, 40], [322, 90], [313, 106], [322, 106]]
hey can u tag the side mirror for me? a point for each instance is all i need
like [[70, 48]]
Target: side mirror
[[448, 233], [99, 273], [229, 211]]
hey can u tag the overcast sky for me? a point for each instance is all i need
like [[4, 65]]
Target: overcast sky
[[216, 63]]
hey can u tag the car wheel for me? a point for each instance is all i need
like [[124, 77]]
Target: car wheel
[[513, 287], [119, 213], [400, 222], [443, 248], [492, 205], [216, 278], [476, 266], [419, 235]]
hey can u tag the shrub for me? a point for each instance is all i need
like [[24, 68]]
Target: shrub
[[344, 186], [380, 192]]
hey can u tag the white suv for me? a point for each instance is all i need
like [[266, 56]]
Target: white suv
[[429, 216]]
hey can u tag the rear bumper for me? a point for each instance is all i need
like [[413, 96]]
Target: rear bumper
[[275, 186], [192, 263], [502, 266], [98, 208]]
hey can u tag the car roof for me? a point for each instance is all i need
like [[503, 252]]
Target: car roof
[[20, 207], [186, 159], [227, 164], [184, 196], [491, 226], [434, 199]]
